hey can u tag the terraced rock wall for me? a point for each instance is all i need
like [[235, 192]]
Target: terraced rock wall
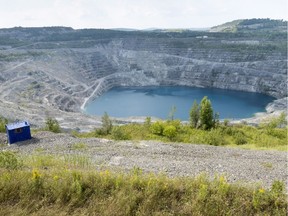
[[47, 77]]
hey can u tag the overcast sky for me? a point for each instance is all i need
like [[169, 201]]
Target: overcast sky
[[138, 14]]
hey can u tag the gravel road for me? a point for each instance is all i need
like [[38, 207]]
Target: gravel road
[[174, 159]]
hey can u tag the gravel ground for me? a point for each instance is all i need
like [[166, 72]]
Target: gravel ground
[[245, 166]]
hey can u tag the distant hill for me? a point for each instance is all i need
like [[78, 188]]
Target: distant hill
[[246, 25]]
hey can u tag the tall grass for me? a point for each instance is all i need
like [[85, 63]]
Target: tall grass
[[34, 190], [104, 193]]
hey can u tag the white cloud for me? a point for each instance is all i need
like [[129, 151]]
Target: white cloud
[[135, 13]]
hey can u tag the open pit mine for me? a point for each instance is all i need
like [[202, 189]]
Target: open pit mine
[[57, 71]]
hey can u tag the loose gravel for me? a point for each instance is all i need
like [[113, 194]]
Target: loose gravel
[[173, 159]]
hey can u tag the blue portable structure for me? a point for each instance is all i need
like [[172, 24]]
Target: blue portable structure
[[18, 131]]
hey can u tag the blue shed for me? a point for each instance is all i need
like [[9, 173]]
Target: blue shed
[[18, 131]]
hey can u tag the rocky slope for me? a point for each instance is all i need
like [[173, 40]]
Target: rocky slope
[[56, 71]]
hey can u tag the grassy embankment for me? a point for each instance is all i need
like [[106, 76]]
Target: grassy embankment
[[41, 184], [266, 136], [53, 185]]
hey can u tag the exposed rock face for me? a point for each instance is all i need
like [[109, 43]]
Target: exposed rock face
[[58, 73], [277, 105]]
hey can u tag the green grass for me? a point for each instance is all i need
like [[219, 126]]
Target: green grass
[[51, 185], [79, 146], [242, 136]]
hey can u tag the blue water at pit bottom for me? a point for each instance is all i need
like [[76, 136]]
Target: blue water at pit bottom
[[158, 101]]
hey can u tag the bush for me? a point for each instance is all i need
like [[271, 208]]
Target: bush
[[9, 160], [52, 125], [3, 122], [170, 131], [176, 123], [157, 128], [215, 137], [119, 134], [226, 122], [240, 138], [279, 121]]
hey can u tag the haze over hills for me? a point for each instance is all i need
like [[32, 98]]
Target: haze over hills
[[55, 71]]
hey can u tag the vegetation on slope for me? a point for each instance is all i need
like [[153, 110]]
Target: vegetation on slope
[[48, 184], [29, 189], [3, 122], [269, 135]]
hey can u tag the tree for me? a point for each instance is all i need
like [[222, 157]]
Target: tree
[[172, 113], [194, 114], [206, 114], [106, 124], [147, 122], [216, 121]]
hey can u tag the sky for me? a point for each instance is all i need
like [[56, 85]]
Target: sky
[[136, 14]]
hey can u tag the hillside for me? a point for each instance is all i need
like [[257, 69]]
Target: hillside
[[55, 71], [248, 25]]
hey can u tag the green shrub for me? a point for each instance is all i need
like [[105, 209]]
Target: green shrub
[[3, 122], [119, 134], [9, 160], [176, 123], [277, 133], [239, 138], [215, 137], [226, 122], [136, 131], [170, 131], [279, 121], [52, 125], [254, 137], [157, 128]]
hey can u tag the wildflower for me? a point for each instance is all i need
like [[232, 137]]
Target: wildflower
[[261, 190], [56, 178], [35, 174]]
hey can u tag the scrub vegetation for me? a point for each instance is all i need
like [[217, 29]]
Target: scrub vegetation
[[52, 185], [3, 122], [49, 184], [244, 136], [52, 125], [204, 128]]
